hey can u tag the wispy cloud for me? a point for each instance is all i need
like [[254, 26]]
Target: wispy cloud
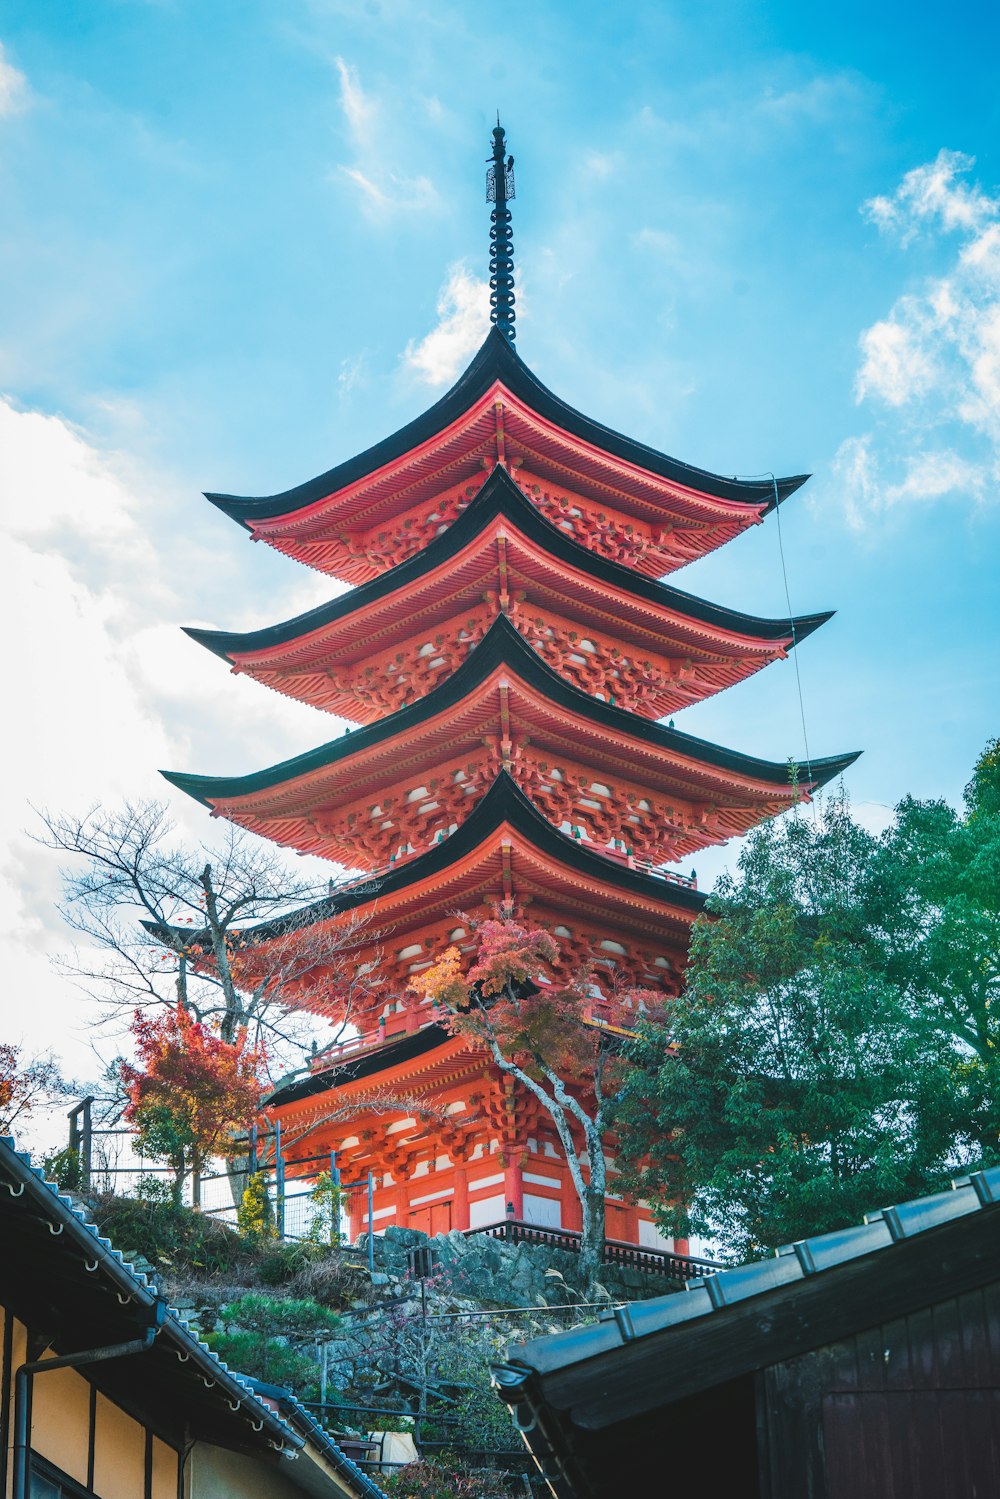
[[931, 366], [463, 309], [13, 86], [383, 188], [934, 196]]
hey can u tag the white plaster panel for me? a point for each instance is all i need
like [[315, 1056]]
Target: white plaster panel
[[486, 1210]]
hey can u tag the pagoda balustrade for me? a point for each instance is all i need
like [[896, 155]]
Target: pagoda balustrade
[[651, 550], [622, 821], [653, 547], [660, 1262], [651, 686]]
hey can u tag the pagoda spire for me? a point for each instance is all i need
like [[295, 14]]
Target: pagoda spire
[[499, 191]]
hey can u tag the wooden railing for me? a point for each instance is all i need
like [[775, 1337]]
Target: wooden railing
[[662, 1262]]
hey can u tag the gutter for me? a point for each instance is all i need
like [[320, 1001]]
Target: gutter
[[297, 1413]]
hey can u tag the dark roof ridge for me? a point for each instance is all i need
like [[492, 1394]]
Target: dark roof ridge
[[496, 359], [502, 644], [500, 495]]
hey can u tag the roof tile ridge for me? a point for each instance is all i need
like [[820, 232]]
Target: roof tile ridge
[[139, 1279], [497, 361]]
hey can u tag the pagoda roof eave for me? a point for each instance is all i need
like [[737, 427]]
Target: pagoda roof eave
[[500, 496], [503, 805], [497, 360], [370, 1062], [503, 645]]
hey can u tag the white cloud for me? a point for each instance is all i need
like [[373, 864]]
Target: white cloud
[[13, 87], [934, 196], [463, 309], [933, 362], [351, 374], [360, 110], [101, 687], [898, 363], [818, 100], [383, 189]]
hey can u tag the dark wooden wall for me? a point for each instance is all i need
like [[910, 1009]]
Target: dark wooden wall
[[909, 1410]]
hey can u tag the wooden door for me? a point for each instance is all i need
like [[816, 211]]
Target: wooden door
[[440, 1217]]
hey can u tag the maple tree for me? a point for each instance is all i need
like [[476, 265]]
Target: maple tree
[[192, 1090], [24, 1085], [560, 1041]]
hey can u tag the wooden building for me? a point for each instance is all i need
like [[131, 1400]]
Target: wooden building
[[106, 1394], [507, 649], [863, 1364]]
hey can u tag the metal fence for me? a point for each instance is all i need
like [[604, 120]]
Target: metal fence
[[302, 1196]]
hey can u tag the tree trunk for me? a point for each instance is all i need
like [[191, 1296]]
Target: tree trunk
[[592, 1240], [177, 1185], [592, 1201]]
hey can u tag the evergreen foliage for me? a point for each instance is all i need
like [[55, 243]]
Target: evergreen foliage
[[837, 1044]]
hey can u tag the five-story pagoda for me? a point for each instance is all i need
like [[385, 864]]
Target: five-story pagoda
[[508, 650]]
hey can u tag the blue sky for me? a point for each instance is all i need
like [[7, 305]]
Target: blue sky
[[240, 242]]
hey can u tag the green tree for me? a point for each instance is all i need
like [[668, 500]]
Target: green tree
[[948, 865], [813, 1072]]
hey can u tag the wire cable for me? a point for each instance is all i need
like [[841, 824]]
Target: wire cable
[[795, 641]]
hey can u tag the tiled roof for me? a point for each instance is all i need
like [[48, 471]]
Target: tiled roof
[[70, 1227], [795, 1263]]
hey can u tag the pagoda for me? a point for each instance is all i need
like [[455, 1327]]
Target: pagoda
[[507, 653]]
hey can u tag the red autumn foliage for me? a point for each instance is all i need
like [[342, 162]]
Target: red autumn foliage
[[561, 1042], [192, 1090], [509, 994]]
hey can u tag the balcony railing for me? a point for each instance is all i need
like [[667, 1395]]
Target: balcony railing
[[662, 1262]]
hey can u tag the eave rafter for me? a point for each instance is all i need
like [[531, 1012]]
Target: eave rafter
[[579, 889]]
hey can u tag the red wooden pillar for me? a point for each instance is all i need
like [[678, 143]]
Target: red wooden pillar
[[630, 1223], [460, 1198], [402, 1194], [513, 1187]]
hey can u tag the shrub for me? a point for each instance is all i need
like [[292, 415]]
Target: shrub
[[254, 1217], [288, 1316], [63, 1168], [267, 1359], [282, 1263], [165, 1233], [331, 1280], [437, 1478], [326, 1198]]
